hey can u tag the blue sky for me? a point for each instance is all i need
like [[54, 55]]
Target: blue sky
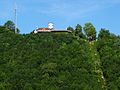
[[63, 13]]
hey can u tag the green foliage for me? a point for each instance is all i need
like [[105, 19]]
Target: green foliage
[[11, 26], [45, 61], [104, 34], [109, 49], [90, 31], [70, 28], [59, 61], [78, 31]]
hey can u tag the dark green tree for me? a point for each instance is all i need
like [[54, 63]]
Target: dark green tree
[[109, 50], [70, 28], [11, 26], [78, 31], [90, 31], [103, 34]]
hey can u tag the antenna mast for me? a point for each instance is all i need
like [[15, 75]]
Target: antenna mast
[[15, 17]]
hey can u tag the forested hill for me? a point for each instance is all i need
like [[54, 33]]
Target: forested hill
[[59, 61]]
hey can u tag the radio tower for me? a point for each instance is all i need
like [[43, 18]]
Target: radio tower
[[15, 17]]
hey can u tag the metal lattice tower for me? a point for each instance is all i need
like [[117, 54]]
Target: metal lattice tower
[[15, 17]]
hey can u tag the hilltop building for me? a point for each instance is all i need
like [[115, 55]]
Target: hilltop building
[[50, 29]]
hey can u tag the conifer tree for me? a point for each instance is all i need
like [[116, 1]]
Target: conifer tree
[[78, 31]]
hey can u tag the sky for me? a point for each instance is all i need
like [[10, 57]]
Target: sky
[[63, 13]]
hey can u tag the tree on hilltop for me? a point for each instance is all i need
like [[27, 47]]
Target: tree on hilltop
[[11, 26], [90, 31], [78, 31]]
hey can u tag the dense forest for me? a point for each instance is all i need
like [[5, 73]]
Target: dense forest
[[81, 60]]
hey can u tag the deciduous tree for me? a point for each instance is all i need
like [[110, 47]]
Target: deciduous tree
[[90, 31], [11, 26]]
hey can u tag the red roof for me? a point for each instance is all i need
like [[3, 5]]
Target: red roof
[[48, 30], [43, 29]]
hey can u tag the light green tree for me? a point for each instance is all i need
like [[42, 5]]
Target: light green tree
[[90, 31]]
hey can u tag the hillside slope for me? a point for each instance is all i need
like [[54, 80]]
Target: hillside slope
[[52, 61]]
